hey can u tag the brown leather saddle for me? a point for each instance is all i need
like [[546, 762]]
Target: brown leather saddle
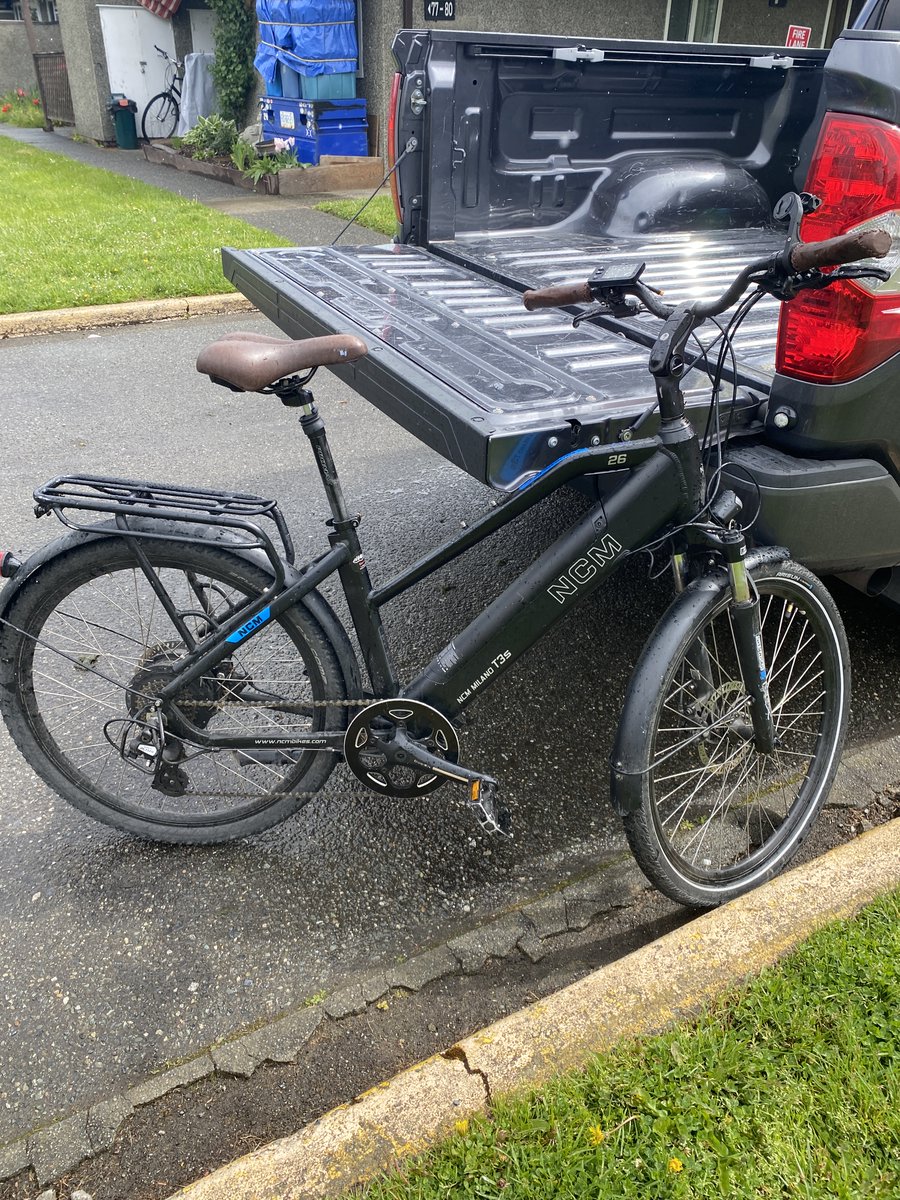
[[251, 362]]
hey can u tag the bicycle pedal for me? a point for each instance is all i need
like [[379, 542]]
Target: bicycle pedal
[[491, 814]]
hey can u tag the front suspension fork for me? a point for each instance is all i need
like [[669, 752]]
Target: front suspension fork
[[745, 622]]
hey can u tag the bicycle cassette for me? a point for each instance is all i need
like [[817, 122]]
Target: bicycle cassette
[[374, 757]]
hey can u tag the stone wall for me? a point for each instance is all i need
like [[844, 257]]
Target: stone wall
[[16, 66]]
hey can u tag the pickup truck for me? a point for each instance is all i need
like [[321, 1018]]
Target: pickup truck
[[524, 161]]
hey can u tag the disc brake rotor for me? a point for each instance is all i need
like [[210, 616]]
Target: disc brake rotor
[[387, 769], [712, 713]]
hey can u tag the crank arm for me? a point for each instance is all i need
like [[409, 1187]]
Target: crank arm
[[489, 812], [406, 750]]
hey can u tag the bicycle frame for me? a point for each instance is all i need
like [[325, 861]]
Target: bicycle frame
[[565, 574]]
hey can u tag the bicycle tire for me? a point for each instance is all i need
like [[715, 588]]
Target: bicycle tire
[[707, 817], [159, 119], [94, 604]]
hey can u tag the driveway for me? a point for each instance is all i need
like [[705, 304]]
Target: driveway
[[118, 957]]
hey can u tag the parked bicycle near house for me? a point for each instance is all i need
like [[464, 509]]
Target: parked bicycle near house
[[159, 119]]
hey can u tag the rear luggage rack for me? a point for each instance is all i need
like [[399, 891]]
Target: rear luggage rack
[[135, 498]]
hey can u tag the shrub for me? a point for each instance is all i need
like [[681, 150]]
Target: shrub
[[211, 137], [254, 165], [235, 39]]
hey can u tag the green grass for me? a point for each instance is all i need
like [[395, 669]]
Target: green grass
[[21, 107], [75, 235], [378, 215], [791, 1088]]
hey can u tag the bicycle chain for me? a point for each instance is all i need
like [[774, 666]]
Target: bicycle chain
[[216, 704], [273, 703]]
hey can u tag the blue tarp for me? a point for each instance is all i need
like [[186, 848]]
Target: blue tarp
[[312, 37]]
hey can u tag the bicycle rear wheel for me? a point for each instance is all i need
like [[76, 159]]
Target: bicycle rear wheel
[[160, 118], [706, 815], [79, 730]]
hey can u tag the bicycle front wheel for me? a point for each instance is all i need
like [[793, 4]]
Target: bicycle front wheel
[[80, 720], [160, 117], [707, 816]]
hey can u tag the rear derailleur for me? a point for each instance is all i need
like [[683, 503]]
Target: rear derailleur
[[142, 742]]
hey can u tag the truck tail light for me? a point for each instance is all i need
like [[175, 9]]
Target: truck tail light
[[839, 333], [392, 134]]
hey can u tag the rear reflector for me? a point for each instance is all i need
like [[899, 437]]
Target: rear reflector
[[9, 564]]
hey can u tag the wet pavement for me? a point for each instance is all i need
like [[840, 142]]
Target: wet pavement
[[118, 957]]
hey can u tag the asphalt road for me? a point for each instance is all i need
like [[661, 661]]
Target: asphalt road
[[117, 957]]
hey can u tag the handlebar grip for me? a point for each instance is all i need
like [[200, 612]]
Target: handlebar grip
[[557, 297], [848, 248]]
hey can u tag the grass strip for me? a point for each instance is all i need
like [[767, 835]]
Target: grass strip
[[76, 235], [378, 214], [788, 1088]]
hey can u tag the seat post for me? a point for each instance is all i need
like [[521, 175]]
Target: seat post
[[354, 573], [314, 428]]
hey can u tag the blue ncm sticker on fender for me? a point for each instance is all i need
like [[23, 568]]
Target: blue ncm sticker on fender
[[247, 628]]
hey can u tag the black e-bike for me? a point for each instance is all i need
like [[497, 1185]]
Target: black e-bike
[[172, 671]]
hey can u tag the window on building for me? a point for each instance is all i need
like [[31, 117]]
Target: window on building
[[693, 20], [43, 12]]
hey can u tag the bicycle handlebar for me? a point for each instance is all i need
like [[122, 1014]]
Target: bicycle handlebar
[[556, 297], [848, 248]]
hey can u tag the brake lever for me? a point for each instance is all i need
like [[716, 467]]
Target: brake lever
[[788, 287], [850, 272], [612, 306]]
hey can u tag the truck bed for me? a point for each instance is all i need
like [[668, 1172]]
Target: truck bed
[[457, 360]]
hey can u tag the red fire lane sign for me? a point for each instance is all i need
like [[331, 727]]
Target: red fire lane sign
[[798, 37]]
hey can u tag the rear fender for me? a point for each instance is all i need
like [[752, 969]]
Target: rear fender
[[314, 602]]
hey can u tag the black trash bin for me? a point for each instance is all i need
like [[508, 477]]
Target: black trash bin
[[122, 112]]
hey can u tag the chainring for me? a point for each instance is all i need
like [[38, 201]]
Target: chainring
[[381, 766]]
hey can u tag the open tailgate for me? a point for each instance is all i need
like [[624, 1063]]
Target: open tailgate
[[456, 359]]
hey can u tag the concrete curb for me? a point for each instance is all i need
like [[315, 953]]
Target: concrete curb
[[530, 930], [639, 994], [98, 316]]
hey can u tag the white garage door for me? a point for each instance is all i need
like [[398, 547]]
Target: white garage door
[[129, 37]]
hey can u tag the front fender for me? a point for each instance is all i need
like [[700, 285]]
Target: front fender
[[629, 761]]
